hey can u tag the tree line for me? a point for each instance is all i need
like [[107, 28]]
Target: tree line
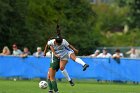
[[31, 23]]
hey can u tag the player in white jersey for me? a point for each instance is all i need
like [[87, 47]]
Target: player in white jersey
[[54, 68], [63, 50]]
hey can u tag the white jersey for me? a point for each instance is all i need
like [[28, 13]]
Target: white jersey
[[61, 50], [121, 55], [134, 56], [101, 55]]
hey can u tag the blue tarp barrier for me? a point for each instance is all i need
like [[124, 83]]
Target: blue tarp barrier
[[100, 68]]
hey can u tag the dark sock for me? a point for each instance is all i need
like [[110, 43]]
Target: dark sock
[[54, 85], [50, 85]]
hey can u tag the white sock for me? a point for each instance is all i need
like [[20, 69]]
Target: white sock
[[65, 73], [78, 60]]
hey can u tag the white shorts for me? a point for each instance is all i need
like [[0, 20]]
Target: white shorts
[[67, 56], [69, 53]]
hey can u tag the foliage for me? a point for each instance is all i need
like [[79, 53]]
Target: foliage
[[12, 22], [129, 39], [110, 22], [133, 18], [32, 22], [110, 17]]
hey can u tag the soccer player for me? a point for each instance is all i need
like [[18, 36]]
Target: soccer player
[[54, 67], [63, 50], [64, 72]]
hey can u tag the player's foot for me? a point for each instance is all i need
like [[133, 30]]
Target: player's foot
[[57, 92], [71, 83], [50, 91], [85, 67]]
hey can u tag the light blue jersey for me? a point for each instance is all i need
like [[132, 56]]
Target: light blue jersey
[[61, 50]]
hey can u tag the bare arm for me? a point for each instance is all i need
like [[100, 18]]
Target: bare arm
[[74, 49], [52, 49], [45, 50]]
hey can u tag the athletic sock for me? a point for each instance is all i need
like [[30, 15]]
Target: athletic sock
[[54, 85], [78, 60], [65, 73], [50, 91], [50, 85]]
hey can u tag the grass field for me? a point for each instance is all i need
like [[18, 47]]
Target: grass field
[[31, 86]]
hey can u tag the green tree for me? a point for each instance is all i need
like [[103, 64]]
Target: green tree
[[13, 28], [77, 22], [134, 12], [31, 22]]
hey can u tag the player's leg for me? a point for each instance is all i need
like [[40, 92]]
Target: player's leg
[[50, 84], [64, 71], [54, 67], [53, 81], [78, 60]]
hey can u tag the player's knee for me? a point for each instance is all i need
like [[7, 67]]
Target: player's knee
[[52, 78], [62, 68]]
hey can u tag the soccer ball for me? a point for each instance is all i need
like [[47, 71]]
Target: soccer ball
[[43, 84]]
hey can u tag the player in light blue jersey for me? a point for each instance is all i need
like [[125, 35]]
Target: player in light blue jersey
[[63, 50]]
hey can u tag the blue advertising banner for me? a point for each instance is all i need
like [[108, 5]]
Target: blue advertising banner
[[100, 68]]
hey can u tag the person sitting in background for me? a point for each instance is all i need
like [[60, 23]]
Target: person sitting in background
[[133, 53], [96, 53], [117, 54], [5, 51], [26, 52], [104, 54], [16, 51], [39, 52], [48, 54]]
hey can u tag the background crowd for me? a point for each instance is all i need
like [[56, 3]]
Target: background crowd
[[18, 52], [132, 53], [99, 53]]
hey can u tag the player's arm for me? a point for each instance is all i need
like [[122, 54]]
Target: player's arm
[[70, 46], [53, 51], [45, 50], [73, 48]]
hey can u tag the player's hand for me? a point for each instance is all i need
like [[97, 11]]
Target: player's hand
[[57, 56], [76, 51]]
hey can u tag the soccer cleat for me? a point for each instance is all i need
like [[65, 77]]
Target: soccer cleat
[[85, 67], [71, 83], [57, 92], [50, 91]]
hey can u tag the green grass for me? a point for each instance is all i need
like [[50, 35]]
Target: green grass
[[31, 86]]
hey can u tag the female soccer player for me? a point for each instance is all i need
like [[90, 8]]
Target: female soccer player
[[54, 67], [63, 50]]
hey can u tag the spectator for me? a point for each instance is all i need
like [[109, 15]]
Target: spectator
[[26, 52], [5, 51], [48, 54], [39, 52], [104, 54], [133, 53], [117, 54], [16, 51], [96, 53]]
